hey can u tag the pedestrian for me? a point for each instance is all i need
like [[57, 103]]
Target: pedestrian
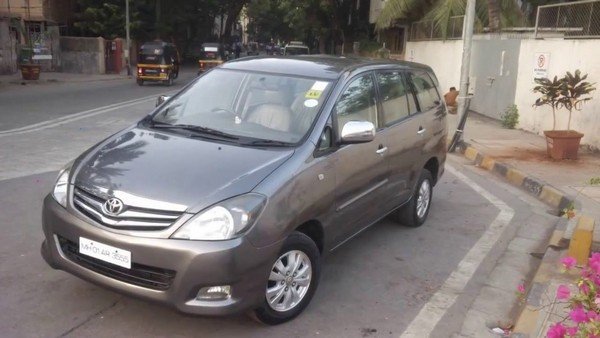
[[237, 50], [450, 98]]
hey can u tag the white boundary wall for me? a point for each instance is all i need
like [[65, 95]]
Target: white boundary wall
[[443, 56], [565, 55]]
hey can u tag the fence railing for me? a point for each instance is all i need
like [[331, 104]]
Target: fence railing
[[573, 20], [427, 30]]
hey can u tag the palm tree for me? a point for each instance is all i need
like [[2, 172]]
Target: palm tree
[[495, 13]]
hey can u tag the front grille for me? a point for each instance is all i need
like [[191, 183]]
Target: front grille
[[141, 275], [131, 218]]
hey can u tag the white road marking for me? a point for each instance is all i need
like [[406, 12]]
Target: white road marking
[[432, 312], [74, 117]]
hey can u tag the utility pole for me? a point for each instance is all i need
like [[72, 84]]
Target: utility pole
[[127, 41], [464, 99]]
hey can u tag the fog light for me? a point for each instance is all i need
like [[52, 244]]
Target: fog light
[[214, 293]]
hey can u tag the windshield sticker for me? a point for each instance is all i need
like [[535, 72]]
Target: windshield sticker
[[211, 49], [316, 90], [319, 85], [311, 103]]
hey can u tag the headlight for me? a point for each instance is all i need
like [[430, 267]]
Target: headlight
[[61, 187], [224, 220]]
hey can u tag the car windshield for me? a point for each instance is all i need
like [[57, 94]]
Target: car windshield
[[253, 107]]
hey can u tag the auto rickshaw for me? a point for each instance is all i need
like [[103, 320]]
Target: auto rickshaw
[[212, 56], [157, 61]]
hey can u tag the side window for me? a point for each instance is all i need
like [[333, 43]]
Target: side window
[[325, 142], [412, 104], [394, 98], [426, 91], [357, 103]]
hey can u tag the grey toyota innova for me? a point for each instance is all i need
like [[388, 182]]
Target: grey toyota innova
[[226, 197]]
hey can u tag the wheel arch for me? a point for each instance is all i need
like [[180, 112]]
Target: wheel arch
[[433, 165], [314, 230]]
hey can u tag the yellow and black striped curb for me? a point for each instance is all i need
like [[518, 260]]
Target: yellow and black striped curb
[[534, 186], [533, 319]]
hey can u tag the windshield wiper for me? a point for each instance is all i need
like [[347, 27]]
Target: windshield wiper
[[194, 128], [269, 143]]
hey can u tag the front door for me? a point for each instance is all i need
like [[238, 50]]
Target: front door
[[361, 169]]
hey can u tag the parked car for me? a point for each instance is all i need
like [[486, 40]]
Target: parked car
[[227, 196], [296, 48]]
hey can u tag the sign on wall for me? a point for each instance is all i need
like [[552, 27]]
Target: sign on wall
[[540, 66]]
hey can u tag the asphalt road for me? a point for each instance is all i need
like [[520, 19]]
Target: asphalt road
[[376, 285], [34, 103]]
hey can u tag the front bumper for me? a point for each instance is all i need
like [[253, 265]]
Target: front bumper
[[195, 264], [159, 77]]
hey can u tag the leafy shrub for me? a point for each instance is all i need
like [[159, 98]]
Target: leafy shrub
[[583, 300], [510, 117]]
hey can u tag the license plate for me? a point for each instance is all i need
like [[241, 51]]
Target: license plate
[[105, 252], [151, 71]]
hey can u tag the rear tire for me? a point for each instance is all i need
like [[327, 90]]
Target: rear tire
[[414, 213], [298, 263]]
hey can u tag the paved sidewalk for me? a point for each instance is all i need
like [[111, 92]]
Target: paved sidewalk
[[52, 77], [527, 152], [505, 152]]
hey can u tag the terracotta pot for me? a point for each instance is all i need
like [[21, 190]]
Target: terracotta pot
[[30, 72], [562, 144]]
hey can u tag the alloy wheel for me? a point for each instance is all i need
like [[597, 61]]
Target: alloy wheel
[[423, 198], [289, 281]]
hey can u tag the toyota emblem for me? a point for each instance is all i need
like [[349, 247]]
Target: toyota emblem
[[113, 206]]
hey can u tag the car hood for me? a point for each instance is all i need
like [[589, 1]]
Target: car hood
[[166, 169]]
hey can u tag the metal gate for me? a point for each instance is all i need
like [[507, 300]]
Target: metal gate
[[113, 54], [494, 67]]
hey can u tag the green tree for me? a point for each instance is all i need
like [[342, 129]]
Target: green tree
[[492, 13], [313, 21], [181, 21]]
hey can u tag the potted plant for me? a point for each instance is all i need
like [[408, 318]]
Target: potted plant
[[569, 92]]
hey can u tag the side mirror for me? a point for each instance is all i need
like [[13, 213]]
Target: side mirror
[[358, 132], [161, 99]]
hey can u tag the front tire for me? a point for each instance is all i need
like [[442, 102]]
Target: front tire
[[140, 82], [415, 212], [292, 280]]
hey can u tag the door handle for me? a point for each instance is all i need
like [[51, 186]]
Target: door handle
[[381, 151], [421, 130]]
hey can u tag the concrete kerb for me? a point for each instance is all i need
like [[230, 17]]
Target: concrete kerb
[[65, 80], [534, 186], [533, 319]]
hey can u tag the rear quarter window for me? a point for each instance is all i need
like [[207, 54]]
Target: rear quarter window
[[426, 90]]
